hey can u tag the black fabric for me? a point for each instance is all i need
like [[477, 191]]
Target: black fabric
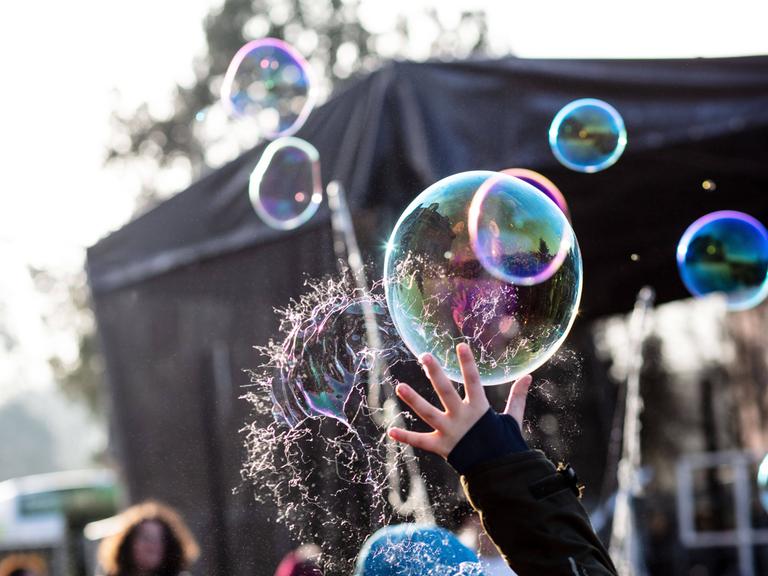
[[400, 129], [492, 437], [550, 535], [184, 293]]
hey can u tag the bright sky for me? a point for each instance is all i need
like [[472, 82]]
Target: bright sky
[[62, 61]]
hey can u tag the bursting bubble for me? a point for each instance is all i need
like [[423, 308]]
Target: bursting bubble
[[439, 293], [542, 183], [517, 233], [285, 186], [587, 135], [727, 252], [762, 483], [327, 361], [269, 80]]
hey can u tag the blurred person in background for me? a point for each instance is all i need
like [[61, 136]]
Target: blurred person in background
[[152, 540], [23, 565]]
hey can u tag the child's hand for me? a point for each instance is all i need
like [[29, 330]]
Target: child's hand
[[460, 415]]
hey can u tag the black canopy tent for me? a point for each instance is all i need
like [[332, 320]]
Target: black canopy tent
[[183, 293]]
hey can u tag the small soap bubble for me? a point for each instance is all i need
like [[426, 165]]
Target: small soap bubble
[[762, 482], [726, 252], [587, 135], [516, 233], [268, 80], [438, 302], [285, 186], [542, 183]]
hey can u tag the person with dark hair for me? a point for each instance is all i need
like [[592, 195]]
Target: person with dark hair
[[153, 541], [529, 507], [23, 565]]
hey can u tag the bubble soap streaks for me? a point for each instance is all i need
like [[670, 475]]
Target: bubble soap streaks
[[270, 81], [439, 293], [321, 449], [285, 187], [587, 135], [726, 252]]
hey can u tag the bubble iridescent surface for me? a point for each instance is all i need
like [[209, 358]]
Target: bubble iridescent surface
[[542, 183], [270, 81], [516, 232], [762, 482], [439, 293], [325, 360], [285, 186], [587, 135], [726, 252]]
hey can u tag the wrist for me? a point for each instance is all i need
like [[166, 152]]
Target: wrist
[[492, 436]]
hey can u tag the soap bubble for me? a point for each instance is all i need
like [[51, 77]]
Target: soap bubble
[[439, 293], [516, 233], [324, 359], [285, 186], [726, 251], [762, 483], [270, 81], [542, 183], [587, 135]]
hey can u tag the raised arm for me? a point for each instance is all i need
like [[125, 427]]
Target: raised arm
[[528, 507]]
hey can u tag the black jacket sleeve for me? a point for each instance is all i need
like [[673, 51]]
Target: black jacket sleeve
[[533, 515]]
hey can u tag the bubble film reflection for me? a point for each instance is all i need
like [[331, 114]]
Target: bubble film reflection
[[726, 252], [541, 183], [439, 294], [517, 234], [285, 186], [587, 135], [270, 81]]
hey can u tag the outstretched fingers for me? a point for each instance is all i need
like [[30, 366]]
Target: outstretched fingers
[[473, 387], [421, 440], [517, 397], [418, 404], [443, 386]]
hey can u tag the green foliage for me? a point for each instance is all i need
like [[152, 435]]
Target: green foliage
[[80, 375]]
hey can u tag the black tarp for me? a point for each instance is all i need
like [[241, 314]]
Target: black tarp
[[183, 293]]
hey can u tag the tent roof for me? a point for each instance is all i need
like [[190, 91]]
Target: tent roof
[[397, 130]]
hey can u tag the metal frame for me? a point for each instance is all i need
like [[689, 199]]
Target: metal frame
[[744, 537]]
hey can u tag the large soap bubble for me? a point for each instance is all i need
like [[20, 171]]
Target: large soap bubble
[[542, 183], [587, 135], [285, 186], [439, 293], [269, 81], [727, 252], [762, 482]]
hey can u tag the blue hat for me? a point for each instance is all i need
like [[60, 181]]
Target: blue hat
[[416, 550]]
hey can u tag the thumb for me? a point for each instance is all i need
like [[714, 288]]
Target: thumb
[[516, 400]]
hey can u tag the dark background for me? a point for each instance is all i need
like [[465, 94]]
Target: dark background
[[183, 293]]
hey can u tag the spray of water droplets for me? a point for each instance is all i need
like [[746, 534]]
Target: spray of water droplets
[[322, 400], [323, 457]]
